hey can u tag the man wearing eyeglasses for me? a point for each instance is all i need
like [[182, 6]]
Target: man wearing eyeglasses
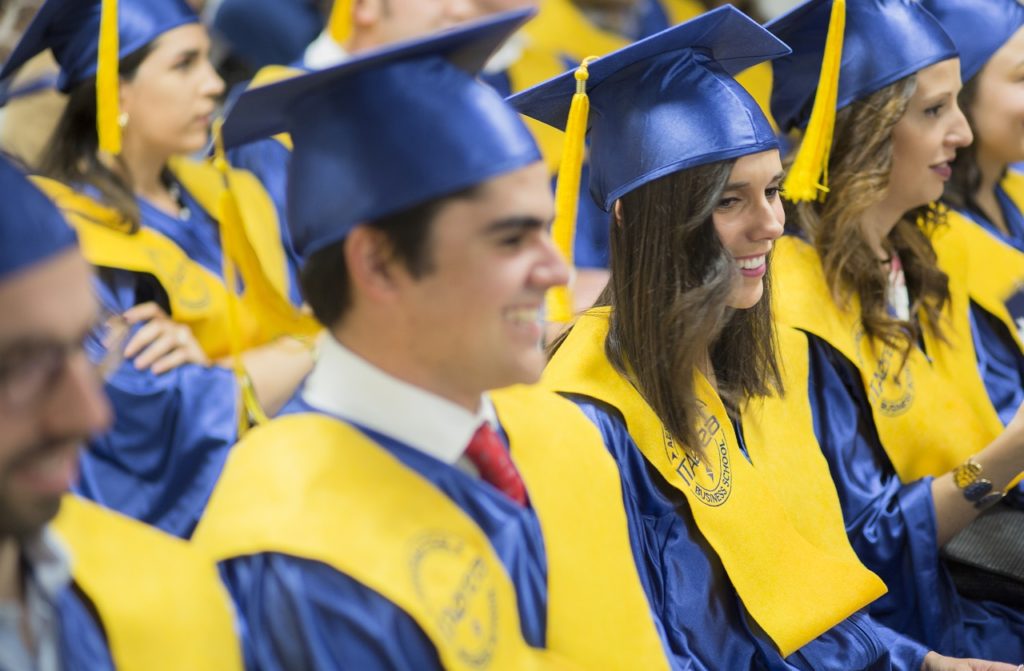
[[91, 590]]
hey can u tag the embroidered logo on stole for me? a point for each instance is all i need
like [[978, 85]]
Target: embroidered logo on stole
[[890, 391], [708, 475], [468, 615], [189, 288]]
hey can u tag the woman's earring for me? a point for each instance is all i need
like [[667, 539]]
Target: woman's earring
[[122, 119]]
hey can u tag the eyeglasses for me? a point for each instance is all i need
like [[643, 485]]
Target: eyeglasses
[[30, 370]]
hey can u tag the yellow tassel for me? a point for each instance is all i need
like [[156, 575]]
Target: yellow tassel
[[241, 260], [808, 176], [563, 230], [107, 90], [339, 25], [230, 219]]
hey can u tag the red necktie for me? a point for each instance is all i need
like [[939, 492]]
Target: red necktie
[[488, 454]]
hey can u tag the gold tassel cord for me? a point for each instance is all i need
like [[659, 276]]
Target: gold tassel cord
[[230, 218], [563, 231], [107, 86], [339, 25], [808, 176]]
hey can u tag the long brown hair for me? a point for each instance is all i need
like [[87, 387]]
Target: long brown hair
[[670, 280], [859, 169], [72, 157]]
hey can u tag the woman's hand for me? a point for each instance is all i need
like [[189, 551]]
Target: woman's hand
[[933, 661], [161, 344]]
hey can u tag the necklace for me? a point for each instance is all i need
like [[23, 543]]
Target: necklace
[[174, 189]]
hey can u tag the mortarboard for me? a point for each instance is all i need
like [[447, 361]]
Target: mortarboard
[[32, 229], [978, 28], [836, 60], [388, 130], [665, 103], [82, 36], [661, 105]]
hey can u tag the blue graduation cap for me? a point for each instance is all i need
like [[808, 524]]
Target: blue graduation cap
[[388, 130], [883, 42], [71, 29], [658, 106], [32, 229], [978, 27], [90, 37], [665, 103]]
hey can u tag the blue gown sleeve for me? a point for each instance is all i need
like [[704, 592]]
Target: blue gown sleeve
[[172, 432], [83, 646], [300, 614], [703, 619], [1000, 362], [892, 526]]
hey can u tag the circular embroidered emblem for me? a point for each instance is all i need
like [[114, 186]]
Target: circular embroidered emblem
[[188, 286], [453, 584], [891, 392], [706, 473]]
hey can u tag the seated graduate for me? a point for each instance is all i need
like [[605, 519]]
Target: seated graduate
[[738, 534], [94, 590], [913, 442], [986, 195], [154, 224], [403, 517]]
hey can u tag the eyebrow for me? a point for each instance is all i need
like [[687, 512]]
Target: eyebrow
[[736, 186], [188, 54], [515, 223]]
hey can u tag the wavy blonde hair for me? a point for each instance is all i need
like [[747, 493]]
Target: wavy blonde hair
[[859, 169]]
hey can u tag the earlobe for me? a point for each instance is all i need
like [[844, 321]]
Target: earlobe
[[617, 212], [366, 13]]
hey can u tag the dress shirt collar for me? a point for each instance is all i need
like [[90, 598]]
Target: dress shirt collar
[[346, 385]]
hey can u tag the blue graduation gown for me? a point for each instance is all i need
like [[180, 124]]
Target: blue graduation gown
[[172, 432], [1013, 217], [1000, 362], [160, 460], [83, 646], [706, 624], [891, 526], [302, 614]]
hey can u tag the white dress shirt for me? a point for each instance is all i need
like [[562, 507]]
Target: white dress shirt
[[347, 386]]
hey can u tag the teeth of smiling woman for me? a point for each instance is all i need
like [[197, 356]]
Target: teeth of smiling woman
[[752, 263], [522, 315]]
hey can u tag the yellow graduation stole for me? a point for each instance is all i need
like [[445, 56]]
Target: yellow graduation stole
[[992, 269], [932, 415], [345, 501], [160, 603], [197, 296], [776, 525]]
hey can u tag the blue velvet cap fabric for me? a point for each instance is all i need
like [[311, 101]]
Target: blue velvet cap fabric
[[32, 229], [885, 41], [71, 29], [978, 27], [666, 103], [389, 130]]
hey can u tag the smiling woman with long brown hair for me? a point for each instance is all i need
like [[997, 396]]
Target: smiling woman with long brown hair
[[737, 531], [161, 233], [912, 439]]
